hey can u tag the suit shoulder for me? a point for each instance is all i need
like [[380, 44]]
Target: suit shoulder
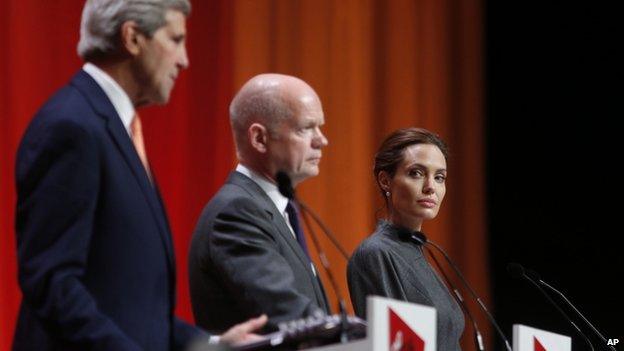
[[232, 203], [67, 110], [232, 198], [67, 104]]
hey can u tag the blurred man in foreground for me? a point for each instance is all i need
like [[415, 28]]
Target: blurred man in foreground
[[96, 265]]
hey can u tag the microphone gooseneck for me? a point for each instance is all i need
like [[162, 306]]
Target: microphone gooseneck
[[328, 233], [569, 303], [342, 309], [537, 278], [518, 272], [420, 239], [471, 291], [478, 338], [285, 187]]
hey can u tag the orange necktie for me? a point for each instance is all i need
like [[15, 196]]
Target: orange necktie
[[137, 140]]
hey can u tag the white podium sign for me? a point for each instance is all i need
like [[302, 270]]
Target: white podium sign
[[397, 325], [533, 339]]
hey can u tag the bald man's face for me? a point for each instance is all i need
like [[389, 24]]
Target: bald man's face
[[295, 146]]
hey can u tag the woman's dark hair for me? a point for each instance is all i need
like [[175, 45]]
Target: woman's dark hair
[[390, 153]]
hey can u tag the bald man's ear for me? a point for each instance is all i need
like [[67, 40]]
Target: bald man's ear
[[258, 136], [131, 37]]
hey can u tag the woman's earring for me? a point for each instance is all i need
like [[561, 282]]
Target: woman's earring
[[387, 194]]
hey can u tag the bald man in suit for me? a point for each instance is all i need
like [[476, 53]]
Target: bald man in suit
[[248, 254]]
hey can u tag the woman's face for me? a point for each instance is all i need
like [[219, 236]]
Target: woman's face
[[418, 186]]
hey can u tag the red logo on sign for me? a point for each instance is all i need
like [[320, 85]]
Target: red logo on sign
[[402, 337], [537, 346]]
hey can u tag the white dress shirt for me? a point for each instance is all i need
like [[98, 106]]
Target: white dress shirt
[[272, 192], [115, 93]]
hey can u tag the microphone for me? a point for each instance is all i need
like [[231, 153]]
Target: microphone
[[518, 272], [535, 277], [478, 338], [420, 237], [569, 303], [284, 185]]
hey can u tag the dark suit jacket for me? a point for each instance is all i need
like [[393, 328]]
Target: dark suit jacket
[[96, 264], [244, 261]]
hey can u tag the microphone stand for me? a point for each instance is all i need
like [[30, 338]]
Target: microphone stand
[[472, 292], [325, 229], [478, 338], [344, 337], [569, 303], [285, 187], [518, 270]]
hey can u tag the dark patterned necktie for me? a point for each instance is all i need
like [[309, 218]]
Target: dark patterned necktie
[[293, 217]]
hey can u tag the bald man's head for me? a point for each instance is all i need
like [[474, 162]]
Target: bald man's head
[[268, 99], [273, 111]]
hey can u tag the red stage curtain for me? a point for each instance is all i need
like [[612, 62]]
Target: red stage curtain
[[376, 65]]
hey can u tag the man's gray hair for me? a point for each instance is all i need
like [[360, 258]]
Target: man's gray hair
[[102, 20]]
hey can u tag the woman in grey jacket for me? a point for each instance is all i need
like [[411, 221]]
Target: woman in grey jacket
[[410, 170]]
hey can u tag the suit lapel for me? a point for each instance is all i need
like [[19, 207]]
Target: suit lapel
[[102, 105], [280, 223], [278, 219]]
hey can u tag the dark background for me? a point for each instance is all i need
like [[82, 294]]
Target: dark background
[[554, 105]]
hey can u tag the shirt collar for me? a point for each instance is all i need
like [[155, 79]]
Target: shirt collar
[[267, 186], [115, 93]]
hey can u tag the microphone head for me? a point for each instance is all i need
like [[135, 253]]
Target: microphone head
[[533, 275], [415, 237], [285, 185], [516, 270], [419, 237]]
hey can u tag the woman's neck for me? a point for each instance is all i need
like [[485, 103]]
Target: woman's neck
[[413, 224]]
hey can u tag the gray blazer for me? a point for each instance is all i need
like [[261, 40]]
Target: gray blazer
[[244, 261], [385, 265]]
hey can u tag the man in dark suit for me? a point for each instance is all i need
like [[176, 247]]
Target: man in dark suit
[[248, 253], [95, 254]]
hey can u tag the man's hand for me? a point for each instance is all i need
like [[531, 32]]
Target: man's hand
[[242, 333]]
